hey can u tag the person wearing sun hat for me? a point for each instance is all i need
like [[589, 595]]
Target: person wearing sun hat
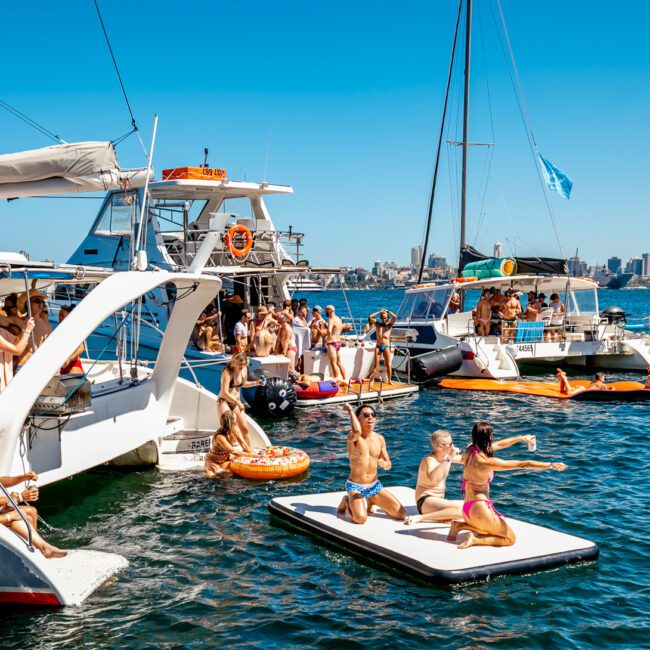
[[42, 328]]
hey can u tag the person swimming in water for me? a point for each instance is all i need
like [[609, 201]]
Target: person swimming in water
[[486, 525]]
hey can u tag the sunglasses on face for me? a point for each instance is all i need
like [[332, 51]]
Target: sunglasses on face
[[367, 415]]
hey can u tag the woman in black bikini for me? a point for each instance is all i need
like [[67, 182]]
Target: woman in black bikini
[[233, 378], [226, 443]]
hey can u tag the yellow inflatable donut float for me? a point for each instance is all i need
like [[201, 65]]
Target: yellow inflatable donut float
[[271, 463]]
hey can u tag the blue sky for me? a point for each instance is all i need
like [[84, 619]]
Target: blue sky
[[343, 101]]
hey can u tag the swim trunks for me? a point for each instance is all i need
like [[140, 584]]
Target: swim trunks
[[381, 348], [365, 490], [336, 344]]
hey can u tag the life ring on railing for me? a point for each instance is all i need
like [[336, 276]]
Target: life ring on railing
[[235, 230], [472, 278], [271, 463]]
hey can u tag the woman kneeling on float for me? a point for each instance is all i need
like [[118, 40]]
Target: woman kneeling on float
[[487, 526]]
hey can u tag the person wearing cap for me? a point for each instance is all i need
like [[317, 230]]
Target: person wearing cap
[[333, 342], [509, 313], [317, 328], [12, 345], [42, 328], [260, 319]]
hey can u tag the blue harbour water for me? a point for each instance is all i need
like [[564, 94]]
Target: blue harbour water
[[209, 569]]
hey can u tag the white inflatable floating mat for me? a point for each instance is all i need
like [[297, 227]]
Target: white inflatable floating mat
[[422, 550]]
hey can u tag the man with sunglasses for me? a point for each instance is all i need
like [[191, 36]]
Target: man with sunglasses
[[367, 451], [432, 481]]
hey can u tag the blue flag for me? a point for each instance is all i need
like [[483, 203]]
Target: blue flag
[[556, 179]]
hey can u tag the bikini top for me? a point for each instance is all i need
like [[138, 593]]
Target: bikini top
[[478, 486], [232, 381]]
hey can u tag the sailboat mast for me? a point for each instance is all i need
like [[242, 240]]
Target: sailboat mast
[[468, 50]]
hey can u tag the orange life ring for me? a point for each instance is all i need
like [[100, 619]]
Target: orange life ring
[[472, 278], [238, 229], [271, 463]]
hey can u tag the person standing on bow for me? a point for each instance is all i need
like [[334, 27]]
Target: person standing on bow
[[333, 342], [383, 328]]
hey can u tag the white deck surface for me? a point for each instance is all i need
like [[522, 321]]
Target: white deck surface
[[80, 573], [423, 549]]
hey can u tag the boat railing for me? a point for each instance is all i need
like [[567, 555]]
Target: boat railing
[[269, 248], [14, 505]]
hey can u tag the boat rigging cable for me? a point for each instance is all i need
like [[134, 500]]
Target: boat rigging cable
[[28, 120], [525, 116], [119, 78], [440, 136]]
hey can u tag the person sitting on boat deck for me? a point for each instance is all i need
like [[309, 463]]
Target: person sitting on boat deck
[[42, 328], [383, 328], [233, 378], [285, 344], [317, 328], [454, 303], [532, 311], [509, 312], [486, 525], [557, 318], [226, 443], [204, 330], [432, 479], [333, 342], [10, 306], [73, 364], [264, 340], [12, 345], [366, 452], [241, 333], [484, 314], [10, 518]]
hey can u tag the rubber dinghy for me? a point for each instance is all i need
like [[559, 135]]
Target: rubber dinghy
[[626, 391], [422, 551]]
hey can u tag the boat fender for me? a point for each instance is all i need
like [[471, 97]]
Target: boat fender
[[436, 363], [276, 398]]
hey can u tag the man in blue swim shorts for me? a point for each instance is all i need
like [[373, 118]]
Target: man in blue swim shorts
[[367, 451]]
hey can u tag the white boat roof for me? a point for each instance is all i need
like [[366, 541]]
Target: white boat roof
[[199, 189], [523, 283]]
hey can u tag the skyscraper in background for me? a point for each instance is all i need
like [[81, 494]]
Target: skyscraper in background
[[614, 264], [416, 256]]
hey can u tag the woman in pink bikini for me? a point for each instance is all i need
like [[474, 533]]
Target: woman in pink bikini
[[487, 526]]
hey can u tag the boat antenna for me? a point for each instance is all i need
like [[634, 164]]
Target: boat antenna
[[440, 136], [205, 158], [463, 195]]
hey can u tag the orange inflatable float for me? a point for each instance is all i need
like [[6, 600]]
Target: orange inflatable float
[[618, 391], [271, 463]]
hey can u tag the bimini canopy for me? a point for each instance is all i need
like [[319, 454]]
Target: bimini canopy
[[65, 169]]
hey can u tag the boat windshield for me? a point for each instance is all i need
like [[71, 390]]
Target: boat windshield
[[584, 302], [424, 304]]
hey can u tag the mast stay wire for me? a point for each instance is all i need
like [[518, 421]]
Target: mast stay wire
[[525, 116], [119, 78], [29, 121], [440, 136]]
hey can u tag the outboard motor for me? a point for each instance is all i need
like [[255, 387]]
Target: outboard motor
[[275, 398], [428, 366], [614, 315]]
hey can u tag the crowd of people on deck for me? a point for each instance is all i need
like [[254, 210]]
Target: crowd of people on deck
[[286, 331], [498, 313]]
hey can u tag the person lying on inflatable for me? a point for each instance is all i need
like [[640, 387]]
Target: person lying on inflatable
[[597, 384]]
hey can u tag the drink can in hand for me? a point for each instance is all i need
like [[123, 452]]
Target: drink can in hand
[[532, 445]]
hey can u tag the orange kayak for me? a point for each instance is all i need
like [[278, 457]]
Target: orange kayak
[[619, 390]]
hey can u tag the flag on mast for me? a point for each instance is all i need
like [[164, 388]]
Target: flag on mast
[[556, 179]]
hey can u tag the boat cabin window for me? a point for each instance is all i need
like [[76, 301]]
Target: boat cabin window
[[117, 215], [424, 304], [174, 214], [583, 302]]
